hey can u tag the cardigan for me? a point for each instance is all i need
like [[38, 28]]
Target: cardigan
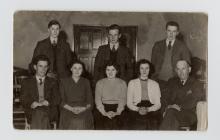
[[134, 94]]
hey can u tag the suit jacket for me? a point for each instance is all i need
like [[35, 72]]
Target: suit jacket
[[124, 59], [64, 56], [186, 96], [134, 94], [29, 94], [180, 51]]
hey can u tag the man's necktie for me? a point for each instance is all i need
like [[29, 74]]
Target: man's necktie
[[41, 81], [54, 45], [169, 45], [113, 48]]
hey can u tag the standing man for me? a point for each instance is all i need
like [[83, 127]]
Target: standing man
[[57, 50], [115, 52], [40, 95], [167, 52], [184, 93]]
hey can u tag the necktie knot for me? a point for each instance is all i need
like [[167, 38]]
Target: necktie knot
[[182, 82], [113, 48], [54, 43]]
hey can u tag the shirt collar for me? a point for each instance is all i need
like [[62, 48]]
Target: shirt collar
[[183, 82], [38, 78], [53, 40], [116, 46], [172, 42]]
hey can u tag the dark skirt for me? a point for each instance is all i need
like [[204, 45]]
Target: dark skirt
[[71, 121], [150, 121], [40, 119], [104, 123]]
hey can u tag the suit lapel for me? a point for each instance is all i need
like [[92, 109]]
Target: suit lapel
[[46, 86], [35, 88], [48, 42], [163, 51], [107, 52], [49, 49], [120, 54], [175, 46]]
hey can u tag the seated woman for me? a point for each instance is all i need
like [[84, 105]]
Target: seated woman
[[110, 99], [76, 100], [143, 98]]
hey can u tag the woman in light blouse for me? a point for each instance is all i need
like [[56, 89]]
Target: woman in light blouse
[[110, 98], [143, 97]]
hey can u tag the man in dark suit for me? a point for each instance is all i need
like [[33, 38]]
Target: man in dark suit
[[183, 94], [57, 50], [167, 52], [40, 96], [114, 52]]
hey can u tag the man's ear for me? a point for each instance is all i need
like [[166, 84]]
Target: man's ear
[[189, 69], [175, 70], [177, 33], [35, 67], [48, 30], [119, 36]]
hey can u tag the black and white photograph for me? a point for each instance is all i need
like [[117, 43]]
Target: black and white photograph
[[109, 69], [84, 70]]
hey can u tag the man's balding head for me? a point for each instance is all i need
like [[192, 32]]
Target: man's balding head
[[183, 69]]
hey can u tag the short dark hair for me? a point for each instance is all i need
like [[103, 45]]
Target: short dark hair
[[77, 61], [144, 61], [172, 23], [40, 58], [114, 26], [54, 22], [35, 60], [115, 65]]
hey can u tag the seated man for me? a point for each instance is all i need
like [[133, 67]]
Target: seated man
[[183, 95], [40, 95]]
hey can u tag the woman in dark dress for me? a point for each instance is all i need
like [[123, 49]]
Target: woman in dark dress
[[76, 100]]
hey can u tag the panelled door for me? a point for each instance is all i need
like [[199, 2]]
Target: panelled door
[[87, 40]]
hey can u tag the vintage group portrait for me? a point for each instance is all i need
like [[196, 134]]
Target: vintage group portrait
[[96, 70]]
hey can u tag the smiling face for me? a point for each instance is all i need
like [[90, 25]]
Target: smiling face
[[172, 32], [77, 70], [111, 72], [144, 70], [41, 68], [114, 36], [54, 30], [183, 70]]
